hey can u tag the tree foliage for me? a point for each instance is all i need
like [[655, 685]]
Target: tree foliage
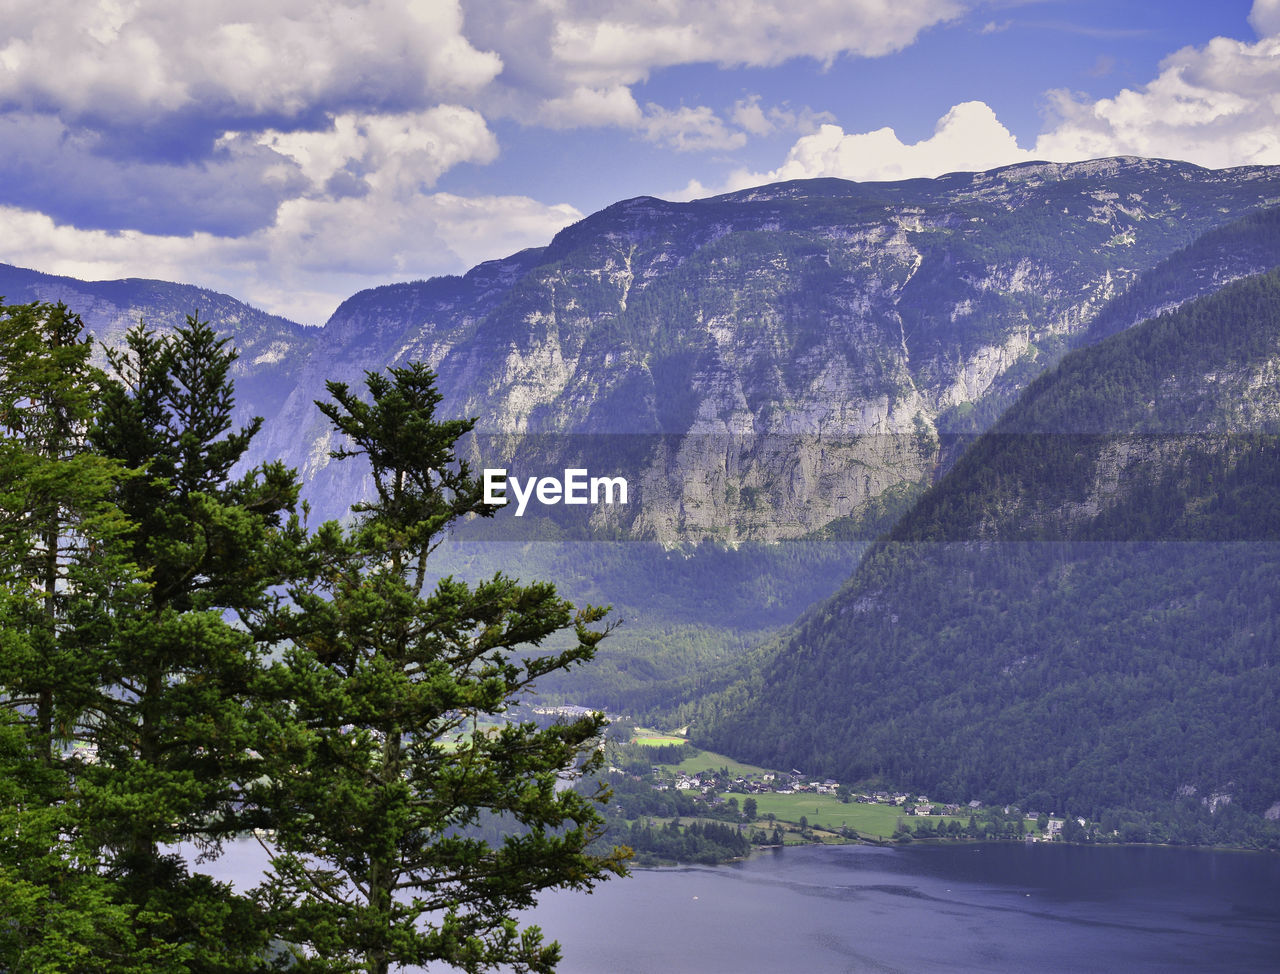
[[57, 520], [143, 579], [172, 725], [59, 572], [390, 740]]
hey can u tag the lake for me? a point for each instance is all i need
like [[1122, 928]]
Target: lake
[[964, 907]]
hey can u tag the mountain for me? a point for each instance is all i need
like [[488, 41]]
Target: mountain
[[796, 361], [1081, 614], [782, 360], [272, 348]]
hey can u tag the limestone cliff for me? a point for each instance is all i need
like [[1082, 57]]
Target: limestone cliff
[[777, 359]]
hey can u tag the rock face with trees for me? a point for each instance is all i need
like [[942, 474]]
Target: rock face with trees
[[784, 358], [184, 661]]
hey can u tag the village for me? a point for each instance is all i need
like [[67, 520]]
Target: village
[[823, 809], [827, 805], [659, 777]]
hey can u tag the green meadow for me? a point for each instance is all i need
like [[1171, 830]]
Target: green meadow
[[820, 811], [652, 738], [828, 812]]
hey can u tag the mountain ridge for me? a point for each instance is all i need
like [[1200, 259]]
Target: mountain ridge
[[904, 302], [859, 323]]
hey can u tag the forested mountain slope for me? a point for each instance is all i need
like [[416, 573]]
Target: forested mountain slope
[[1082, 615]]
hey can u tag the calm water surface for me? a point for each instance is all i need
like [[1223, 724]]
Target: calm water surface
[[989, 907], [939, 908]]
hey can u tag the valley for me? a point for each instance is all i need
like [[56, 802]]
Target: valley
[[929, 483]]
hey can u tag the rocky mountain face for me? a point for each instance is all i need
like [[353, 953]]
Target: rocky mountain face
[[768, 364], [800, 346]]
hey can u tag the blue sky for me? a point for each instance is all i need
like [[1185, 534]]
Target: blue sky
[[291, 152]]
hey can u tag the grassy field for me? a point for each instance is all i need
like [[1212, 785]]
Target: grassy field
[[708, 759], [653, 738], [821, 811], [827, 811]]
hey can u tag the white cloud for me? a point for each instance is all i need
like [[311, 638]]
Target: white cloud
[[318, 252], [119, 60], [749, 116], [390, 153], [969, 137], [1216, 106], [131, 60], [689, 129], [685, 129], [1264, 18], [604, 42], [586, 106]]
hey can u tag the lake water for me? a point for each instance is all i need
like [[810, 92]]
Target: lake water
[[989, 907], [963, 907]]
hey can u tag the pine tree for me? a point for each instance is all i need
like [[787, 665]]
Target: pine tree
[[173, 721], [393, 739], [60, 573], [57, 519]]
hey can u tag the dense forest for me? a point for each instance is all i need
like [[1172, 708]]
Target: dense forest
[[1081, 614]]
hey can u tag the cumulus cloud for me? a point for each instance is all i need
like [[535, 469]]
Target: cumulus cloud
[[684, 129], [750, 116], [291, 60], [176, 118], [586, 106], [396, 153], [1216, 106], [1264, 18], [968, 137], [689, 129], [123, 61], [605, 42]]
